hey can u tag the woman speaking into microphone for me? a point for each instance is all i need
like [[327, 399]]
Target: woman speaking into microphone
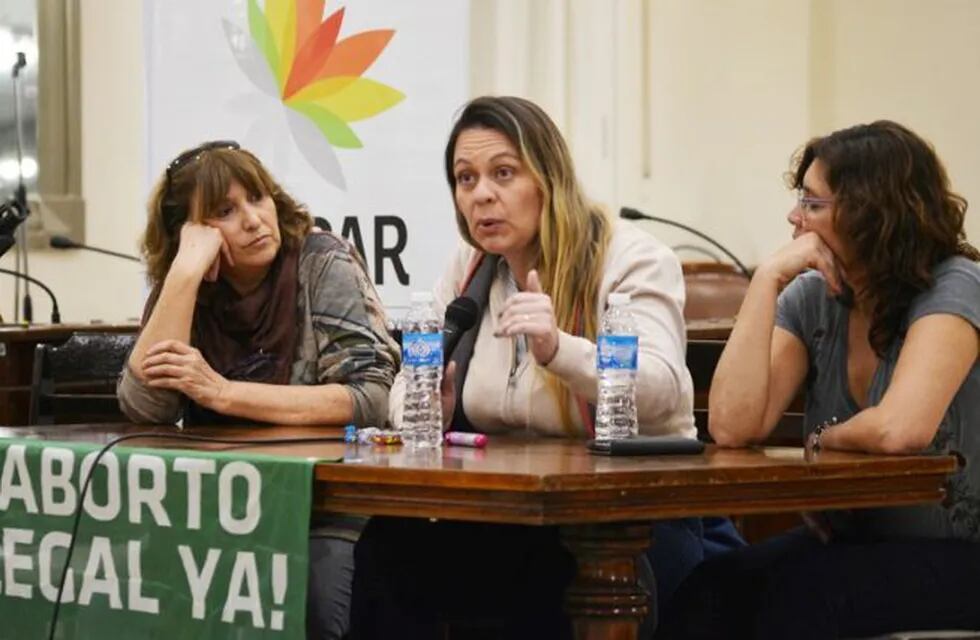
[[542, 261]]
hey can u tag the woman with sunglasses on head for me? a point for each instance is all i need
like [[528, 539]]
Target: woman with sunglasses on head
[[254, 318], [875, 307]]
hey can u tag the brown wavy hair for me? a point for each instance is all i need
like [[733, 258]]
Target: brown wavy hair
[[574, 234], [195, 191], [894, 209]]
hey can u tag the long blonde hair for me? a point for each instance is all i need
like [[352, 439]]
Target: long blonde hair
[[574, 233]]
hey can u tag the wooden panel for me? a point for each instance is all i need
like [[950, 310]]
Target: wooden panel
[[555, 484], [17, 361], [16, 365], [709, 329]]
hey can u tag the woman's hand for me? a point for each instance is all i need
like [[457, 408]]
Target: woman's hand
[[200, 251], [173, 364], [806, 251], [530, 312]]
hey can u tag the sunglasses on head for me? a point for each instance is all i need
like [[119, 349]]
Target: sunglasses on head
[[186, 158], [193, 154]]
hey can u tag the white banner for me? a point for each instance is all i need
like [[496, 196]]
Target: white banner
[[349, 105]]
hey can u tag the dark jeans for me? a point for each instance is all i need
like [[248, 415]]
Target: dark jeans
[[329, 590], [413, 575], [682, 544], [794, 586]]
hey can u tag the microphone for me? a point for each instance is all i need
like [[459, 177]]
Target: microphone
[[19, 64], [461, 314], [64, 242], [629, 213], [55, 314]]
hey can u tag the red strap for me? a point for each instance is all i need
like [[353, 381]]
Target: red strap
[[583, 409], [471, 268]]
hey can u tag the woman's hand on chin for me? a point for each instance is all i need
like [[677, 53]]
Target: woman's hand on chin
[[530, 312], [200, 251], [806, 251], [174, 365]]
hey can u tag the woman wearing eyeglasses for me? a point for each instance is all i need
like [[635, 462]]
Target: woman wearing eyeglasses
[[254, 318], [875, 307]]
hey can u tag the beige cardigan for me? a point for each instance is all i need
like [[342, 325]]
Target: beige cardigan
[[496, 402]]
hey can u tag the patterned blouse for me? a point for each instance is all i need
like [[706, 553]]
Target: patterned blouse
[[341, 338]]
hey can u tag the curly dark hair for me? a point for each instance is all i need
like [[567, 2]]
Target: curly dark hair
[[894, 209], [197, 188]]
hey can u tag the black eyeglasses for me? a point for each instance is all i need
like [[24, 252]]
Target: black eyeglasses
[[193, 154]]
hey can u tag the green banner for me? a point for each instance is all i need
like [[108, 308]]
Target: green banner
[[172, 543]]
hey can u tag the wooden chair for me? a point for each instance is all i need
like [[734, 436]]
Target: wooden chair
[[713, 290], [76, 381]]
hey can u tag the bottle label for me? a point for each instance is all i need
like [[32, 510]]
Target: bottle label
[[422, 349], [618, 352]]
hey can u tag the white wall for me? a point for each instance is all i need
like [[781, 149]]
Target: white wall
[[913, 61], [688, 109], [90, 286], [728, 105], [692, 109]]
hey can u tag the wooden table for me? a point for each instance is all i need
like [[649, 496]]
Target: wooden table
[[604, 505], [17, 343], [710, 329]]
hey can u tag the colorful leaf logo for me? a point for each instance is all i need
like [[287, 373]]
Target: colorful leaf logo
[[313, 72]]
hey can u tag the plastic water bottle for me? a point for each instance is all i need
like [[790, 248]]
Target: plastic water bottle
[[618, 350], [422, 362]]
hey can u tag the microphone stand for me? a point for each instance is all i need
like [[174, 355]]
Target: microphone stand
[[64, 242], [628, 213], [20, 260], [55, 314]]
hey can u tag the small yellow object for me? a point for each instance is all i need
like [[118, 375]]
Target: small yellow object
[[386, 437]]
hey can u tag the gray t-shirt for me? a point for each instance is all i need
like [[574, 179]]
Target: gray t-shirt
[[820, 321]]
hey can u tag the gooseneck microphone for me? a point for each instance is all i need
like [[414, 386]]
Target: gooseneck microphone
[[55, 314], [64, 242], [461, 314], [19, 64], [629, 213]]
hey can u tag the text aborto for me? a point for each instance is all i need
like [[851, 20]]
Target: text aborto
[[179, 541]]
